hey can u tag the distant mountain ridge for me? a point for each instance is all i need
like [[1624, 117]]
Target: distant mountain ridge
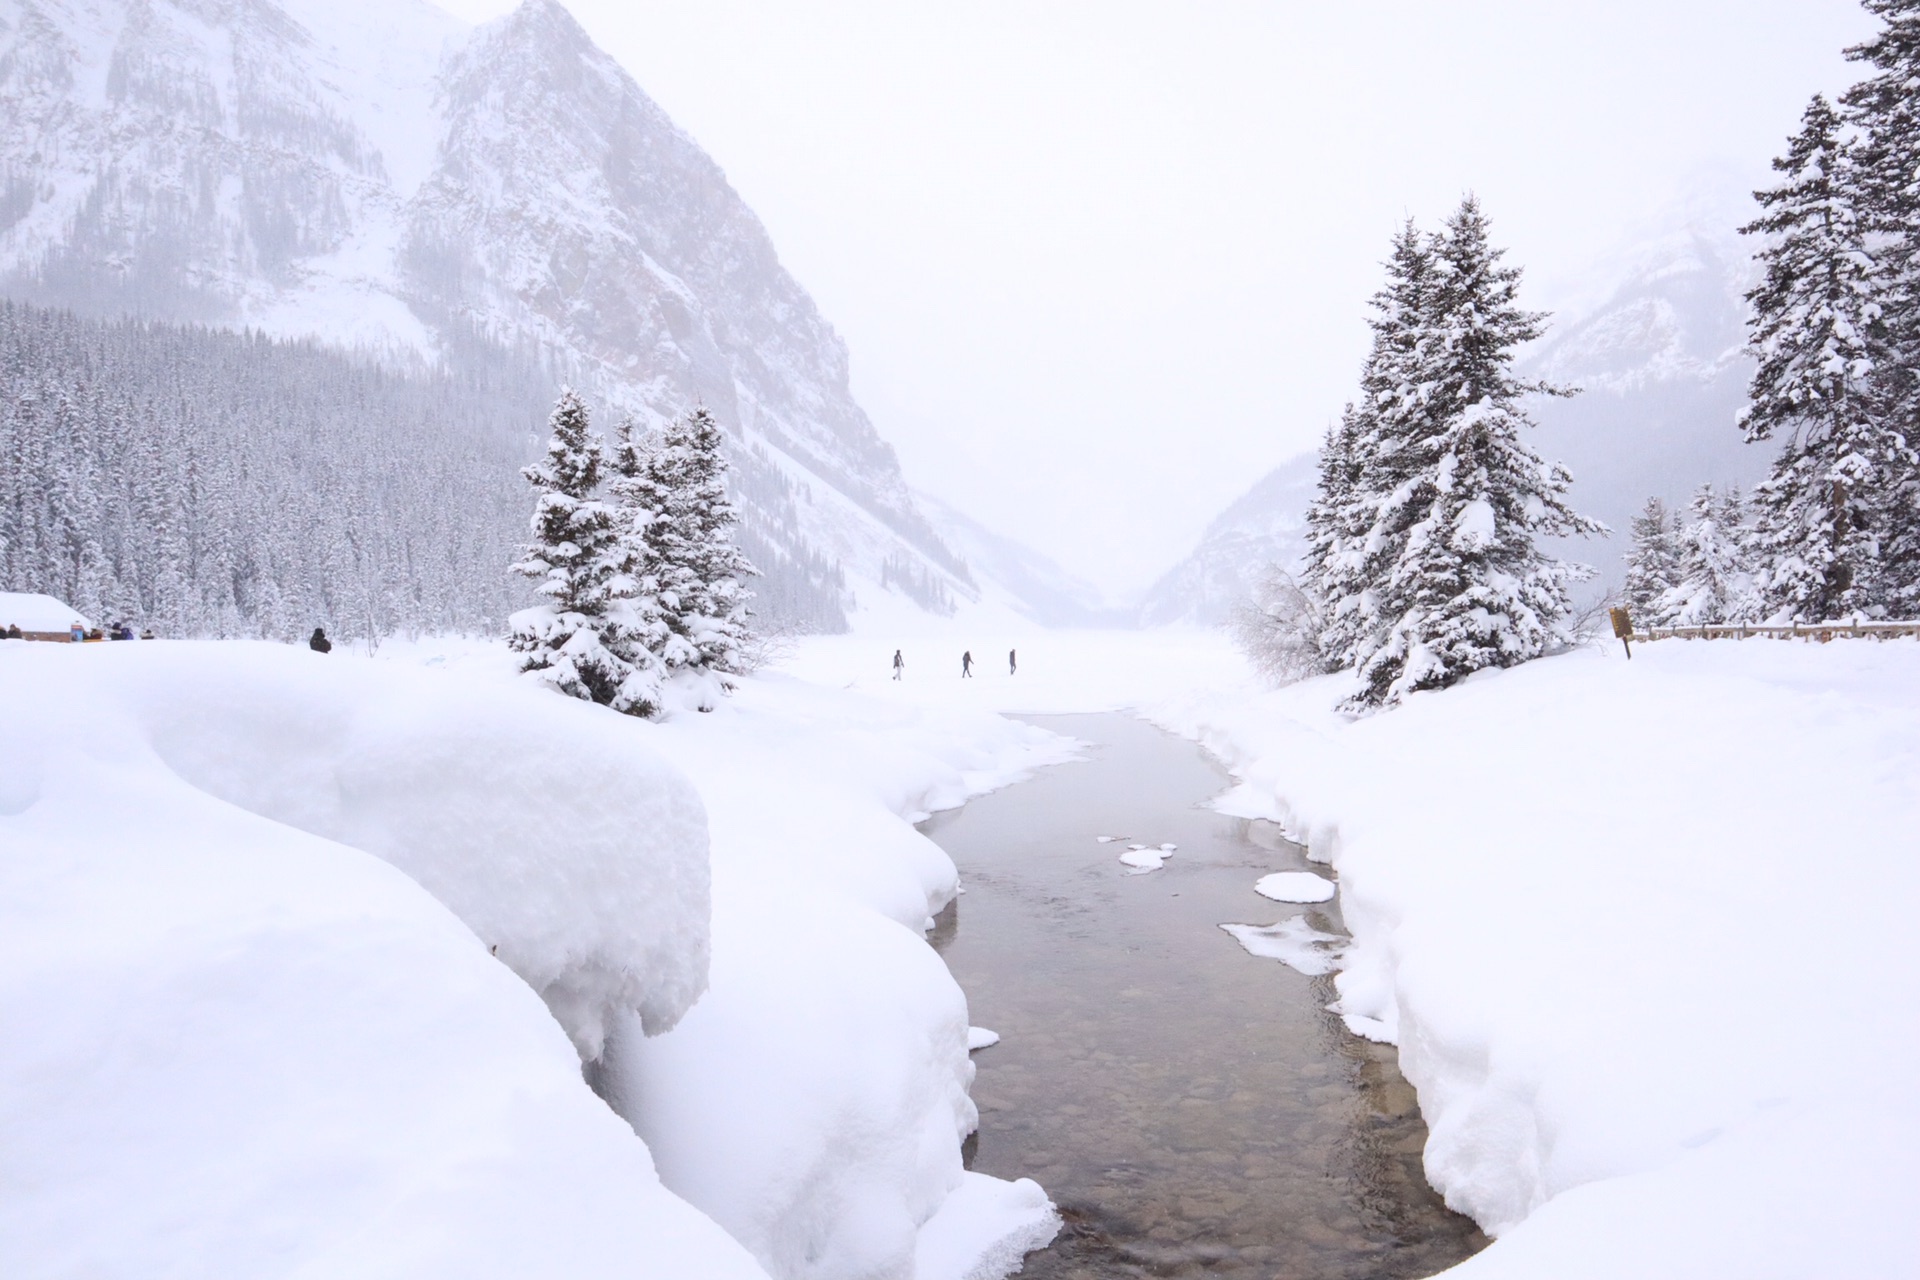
[[1662, 370], [389, 180], [1031, 582], [1265, 526]]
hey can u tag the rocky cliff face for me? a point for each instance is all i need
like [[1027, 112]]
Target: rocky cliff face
[[381, 177]]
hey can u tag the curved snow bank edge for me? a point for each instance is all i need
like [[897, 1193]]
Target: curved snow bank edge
[[1576, 887], [985, 1229], [546, 824], [251, 1049]]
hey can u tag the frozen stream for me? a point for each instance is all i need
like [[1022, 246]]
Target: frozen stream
[[1192, 1108]]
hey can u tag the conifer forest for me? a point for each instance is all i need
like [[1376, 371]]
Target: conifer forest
[[199, 482]]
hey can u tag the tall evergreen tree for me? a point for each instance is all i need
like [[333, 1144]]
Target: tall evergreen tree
[[1462, 583], [1653, 565], [1815, 328], [1368, 459], [1331, 575], [688, 562], [1884, 109], [637, 505], [1715, 583], [578, 640]]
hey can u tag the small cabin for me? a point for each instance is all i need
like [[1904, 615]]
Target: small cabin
[[39, 617]]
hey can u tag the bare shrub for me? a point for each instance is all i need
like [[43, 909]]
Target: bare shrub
[[1279, 629]]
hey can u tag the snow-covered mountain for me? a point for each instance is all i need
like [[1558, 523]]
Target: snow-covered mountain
[[1265, 526], [1014, 574], [1662, 373], [382, 177], [1655, 347]]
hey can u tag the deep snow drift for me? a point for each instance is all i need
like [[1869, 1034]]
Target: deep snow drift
[[236, 1045], [1592, 902], [250, 1046]]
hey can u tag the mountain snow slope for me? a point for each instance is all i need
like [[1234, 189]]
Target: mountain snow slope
[[1265, 526], [1662, 373], [1656, 351], [1027, 581], [382, 177]]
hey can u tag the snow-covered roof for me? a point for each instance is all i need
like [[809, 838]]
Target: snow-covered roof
[[37, 613]]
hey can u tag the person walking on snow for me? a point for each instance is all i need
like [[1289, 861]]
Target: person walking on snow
[[899, 664], [1013, 663], [320, 643], [966, 665]]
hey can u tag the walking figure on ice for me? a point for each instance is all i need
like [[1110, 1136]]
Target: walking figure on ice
[[899, 664], [966, 665], [320, 643], [1013, 662]]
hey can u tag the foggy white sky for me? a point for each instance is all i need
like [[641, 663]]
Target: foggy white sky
[[1102, 263]]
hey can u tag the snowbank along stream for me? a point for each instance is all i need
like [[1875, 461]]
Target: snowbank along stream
[[1191, 1106]]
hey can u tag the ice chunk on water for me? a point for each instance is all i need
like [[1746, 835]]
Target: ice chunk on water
[[1295, 886], [1294, 943], [981, 1038], [1141, 859]]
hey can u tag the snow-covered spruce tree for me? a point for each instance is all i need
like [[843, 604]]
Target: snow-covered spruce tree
[[1464, 584], [686, 559], [579, 639], [1653, 565], [1815, 327], [1329, 592], [1714, 584], [633, 512], [1368, 459], [1884, 110]]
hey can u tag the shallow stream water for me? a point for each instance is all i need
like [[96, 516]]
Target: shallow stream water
[[1193, 1109]]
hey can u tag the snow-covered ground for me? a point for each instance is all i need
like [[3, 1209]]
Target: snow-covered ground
[[254, 1022], [274, 929], [1645, 934], [1643, 931], [1059, 671]]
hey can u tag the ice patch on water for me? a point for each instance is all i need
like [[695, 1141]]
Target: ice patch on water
[[1109, 839], [981, 1038], [1295, 886], [1294, 943], [1143, 859]]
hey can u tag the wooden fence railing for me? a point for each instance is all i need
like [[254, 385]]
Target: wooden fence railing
[[1820, 631]]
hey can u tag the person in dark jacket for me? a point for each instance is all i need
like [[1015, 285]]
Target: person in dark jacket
[[1013, 662], [320, 643], [966, 664], [899, 664]]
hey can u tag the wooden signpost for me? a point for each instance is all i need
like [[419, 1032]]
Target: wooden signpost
[[1623, 628]]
